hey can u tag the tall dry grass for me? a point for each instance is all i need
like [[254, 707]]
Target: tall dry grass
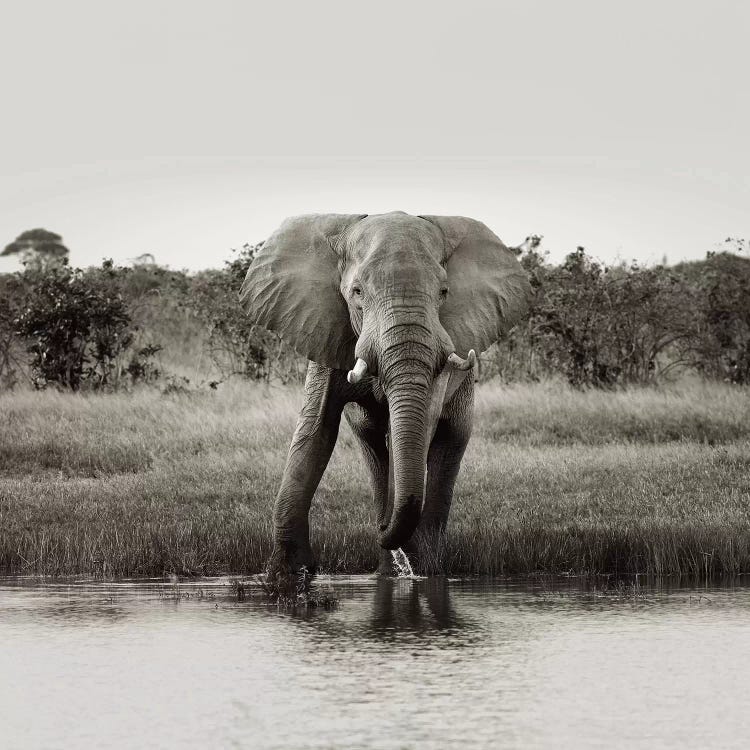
[[555, 480]]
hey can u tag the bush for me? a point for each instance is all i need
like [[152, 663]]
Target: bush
[[600, 325], [235, 344], [76, 324], [12, 354], [721, 348]]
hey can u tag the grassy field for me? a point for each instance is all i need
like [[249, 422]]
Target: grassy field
[[655, 482]]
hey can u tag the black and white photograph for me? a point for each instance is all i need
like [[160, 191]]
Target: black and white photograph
[[375, 376]]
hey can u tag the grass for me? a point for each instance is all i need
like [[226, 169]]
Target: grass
[[655, 482]]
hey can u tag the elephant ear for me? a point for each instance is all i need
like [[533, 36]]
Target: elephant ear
[[292, 288], [489, 291]]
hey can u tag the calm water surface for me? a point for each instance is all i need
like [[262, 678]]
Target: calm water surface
[[398, 664]]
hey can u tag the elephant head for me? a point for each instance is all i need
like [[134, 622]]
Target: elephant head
[[394, 297]]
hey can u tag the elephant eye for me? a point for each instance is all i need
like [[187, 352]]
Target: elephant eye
[[357, 291], [444, 292]]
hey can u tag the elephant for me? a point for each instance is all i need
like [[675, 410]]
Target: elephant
[[390, 311]]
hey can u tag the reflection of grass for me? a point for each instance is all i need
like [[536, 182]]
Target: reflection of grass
[[597, 587], [644, 481], [176, 593], [620, 590]]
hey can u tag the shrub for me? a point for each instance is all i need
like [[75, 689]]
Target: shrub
[[721, 349], [235, 344], [76, 324], [12, 355], [600, 326]]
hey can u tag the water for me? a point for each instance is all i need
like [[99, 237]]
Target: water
[[402, 564], [398, 664]]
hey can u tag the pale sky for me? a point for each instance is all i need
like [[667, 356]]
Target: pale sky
[[186, 128]]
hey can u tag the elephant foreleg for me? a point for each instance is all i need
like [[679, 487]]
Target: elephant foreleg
[[311, 448]]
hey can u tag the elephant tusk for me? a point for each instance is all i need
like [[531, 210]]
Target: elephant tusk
[[463, 364], [359, 371]]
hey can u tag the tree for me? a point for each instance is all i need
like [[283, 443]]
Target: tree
[[37, 243]]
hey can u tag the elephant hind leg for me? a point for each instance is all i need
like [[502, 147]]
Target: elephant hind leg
[[370, 430]]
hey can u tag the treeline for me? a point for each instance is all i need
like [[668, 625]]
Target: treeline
[[116, 326], [604, 326], [113, 327]]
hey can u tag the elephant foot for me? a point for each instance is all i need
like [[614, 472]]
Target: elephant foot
[[289, 573], [426, 552], [386, 565]]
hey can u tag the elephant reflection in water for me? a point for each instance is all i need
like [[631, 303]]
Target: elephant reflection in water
[[418, 605], [390, 310]]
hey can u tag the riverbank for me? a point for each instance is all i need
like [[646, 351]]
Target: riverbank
[[644, 481]]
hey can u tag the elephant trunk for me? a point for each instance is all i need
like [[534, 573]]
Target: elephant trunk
[[407, 381]]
